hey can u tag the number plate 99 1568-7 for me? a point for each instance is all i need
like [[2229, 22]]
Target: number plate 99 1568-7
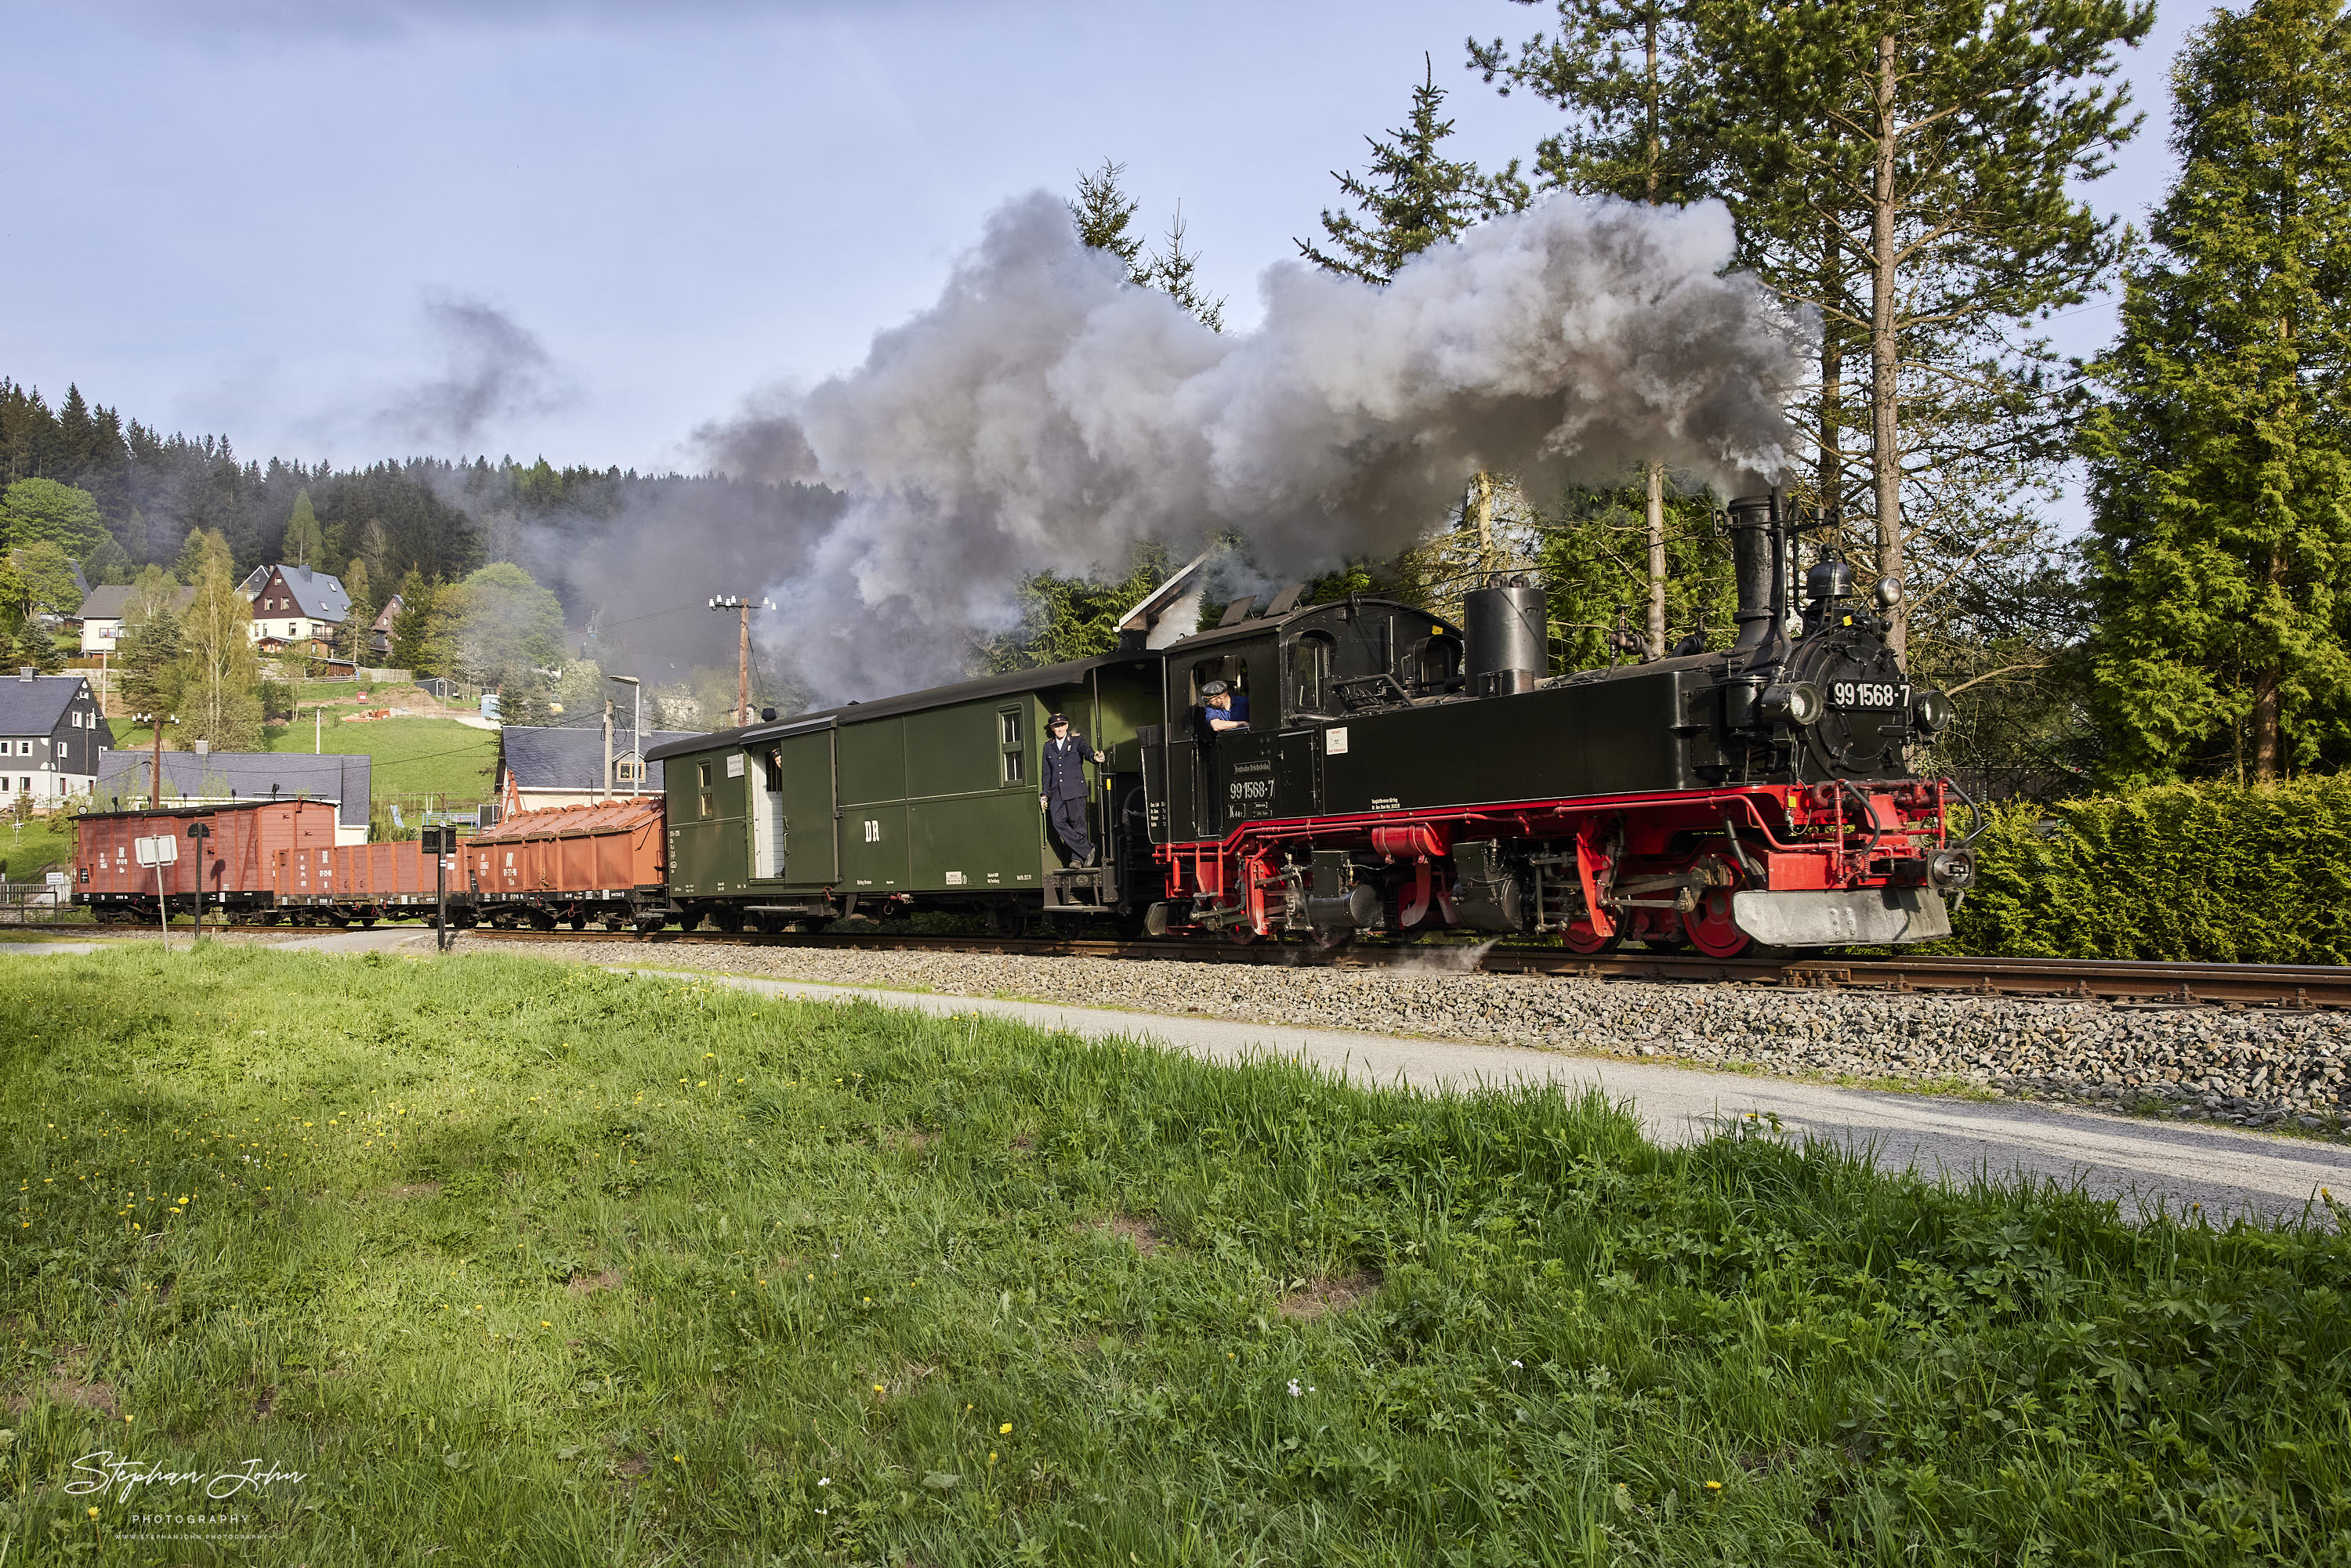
[[1877, 696]]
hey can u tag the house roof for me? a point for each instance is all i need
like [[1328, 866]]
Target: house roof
[[316, 595], [247, 774], [569, 757], [108, 601], [35, 706], [390, 612]]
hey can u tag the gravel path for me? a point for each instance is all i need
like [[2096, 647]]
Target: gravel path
[[2253, 1067]]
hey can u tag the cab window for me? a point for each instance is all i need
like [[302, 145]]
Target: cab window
[[1233, 670]]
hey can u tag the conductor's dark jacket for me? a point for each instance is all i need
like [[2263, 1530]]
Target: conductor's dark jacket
[[1064, 766]]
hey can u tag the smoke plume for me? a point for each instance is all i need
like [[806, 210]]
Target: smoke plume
[[1046, 413], [496, 369]]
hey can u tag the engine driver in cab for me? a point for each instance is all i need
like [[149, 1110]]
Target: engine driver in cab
[[1221, 708]]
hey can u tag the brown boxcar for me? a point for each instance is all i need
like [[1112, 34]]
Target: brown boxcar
[[571, 863], [366, 883], [237, 868]]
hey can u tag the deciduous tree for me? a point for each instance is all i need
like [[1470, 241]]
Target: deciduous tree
[[220, 676]]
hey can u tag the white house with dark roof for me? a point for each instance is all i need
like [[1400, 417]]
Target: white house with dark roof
[[102, 609], [50, 735], [293, 605]]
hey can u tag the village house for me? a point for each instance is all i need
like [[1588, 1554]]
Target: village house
[[50, 735], [296, 610], [102, 611]]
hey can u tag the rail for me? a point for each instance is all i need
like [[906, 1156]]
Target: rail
[[2296, 985]]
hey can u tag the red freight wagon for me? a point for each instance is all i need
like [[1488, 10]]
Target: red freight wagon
[[237, 867], [571, 863], [366, 883]]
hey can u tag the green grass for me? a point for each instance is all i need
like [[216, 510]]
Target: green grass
[[40, 844], [526, 1263], [412, 756]]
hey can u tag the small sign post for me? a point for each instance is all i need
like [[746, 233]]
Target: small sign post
[[159, 852], [439, 842]]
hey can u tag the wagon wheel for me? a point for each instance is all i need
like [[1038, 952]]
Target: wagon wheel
[[1709, 927], [578, 923], [1331, 938]]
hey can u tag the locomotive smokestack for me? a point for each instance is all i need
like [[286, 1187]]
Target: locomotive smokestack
[[1506, 630], [1750, 556]]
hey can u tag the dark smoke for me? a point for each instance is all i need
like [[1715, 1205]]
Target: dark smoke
[[1046, 413], [495, 370]]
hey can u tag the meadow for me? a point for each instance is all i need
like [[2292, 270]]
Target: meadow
[[412, 756], [517, 1262]]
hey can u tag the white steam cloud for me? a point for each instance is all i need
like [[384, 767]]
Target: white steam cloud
[[1046, 413]]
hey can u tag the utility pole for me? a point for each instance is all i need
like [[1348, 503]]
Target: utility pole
[[155, 777], [736, 602], [636, 733]]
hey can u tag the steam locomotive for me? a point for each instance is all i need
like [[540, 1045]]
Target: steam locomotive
[[1394, 774]]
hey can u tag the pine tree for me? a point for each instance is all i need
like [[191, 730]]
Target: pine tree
[[1906, 167], [411, 630], [37, 648], [1103, 213], [305, 543], [1175, 273], [2222, 478], [147, 655], [1415, 197]]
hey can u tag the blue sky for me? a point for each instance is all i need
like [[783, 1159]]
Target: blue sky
[[280, 220]]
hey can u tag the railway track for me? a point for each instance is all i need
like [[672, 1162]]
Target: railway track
[[2157, 984]]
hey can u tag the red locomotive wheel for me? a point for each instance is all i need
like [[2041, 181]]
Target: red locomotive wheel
[[1711, 928], [1581, 938]]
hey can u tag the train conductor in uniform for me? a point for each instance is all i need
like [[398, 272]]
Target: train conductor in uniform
[[1064, 797]]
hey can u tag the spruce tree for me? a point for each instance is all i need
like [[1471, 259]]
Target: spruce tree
[[1414, 197], [1102, 213], [411, 629], [305, 542], [1174, 272], [2222, 479], [147, 655]]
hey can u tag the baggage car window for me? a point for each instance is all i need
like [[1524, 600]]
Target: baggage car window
[[1007, 740]]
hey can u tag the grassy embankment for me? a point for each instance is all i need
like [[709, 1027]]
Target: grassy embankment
[[521, 1263], [412, 756]]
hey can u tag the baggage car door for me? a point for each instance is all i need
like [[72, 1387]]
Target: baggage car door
[[805, 802]]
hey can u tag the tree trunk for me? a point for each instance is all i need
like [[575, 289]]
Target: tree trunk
[[1832, 411], [1884, 421], [2269, 745], [1656, 561]]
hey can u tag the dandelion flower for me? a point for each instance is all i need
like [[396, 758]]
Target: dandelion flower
[[878, 1388], [93, 1513], [1005, 1430], [1714, 1485]]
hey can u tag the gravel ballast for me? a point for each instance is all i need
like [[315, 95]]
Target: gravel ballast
[[2253, 1067]]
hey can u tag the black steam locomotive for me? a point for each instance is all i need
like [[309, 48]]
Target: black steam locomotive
[[1390, 772]]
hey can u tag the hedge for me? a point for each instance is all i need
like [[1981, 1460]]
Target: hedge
[[2225, 873]]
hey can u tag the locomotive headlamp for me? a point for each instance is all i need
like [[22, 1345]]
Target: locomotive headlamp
[[1791, 701], [1889, 592], [1932, 711]]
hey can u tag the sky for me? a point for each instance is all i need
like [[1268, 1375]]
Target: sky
[[340, 230]]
